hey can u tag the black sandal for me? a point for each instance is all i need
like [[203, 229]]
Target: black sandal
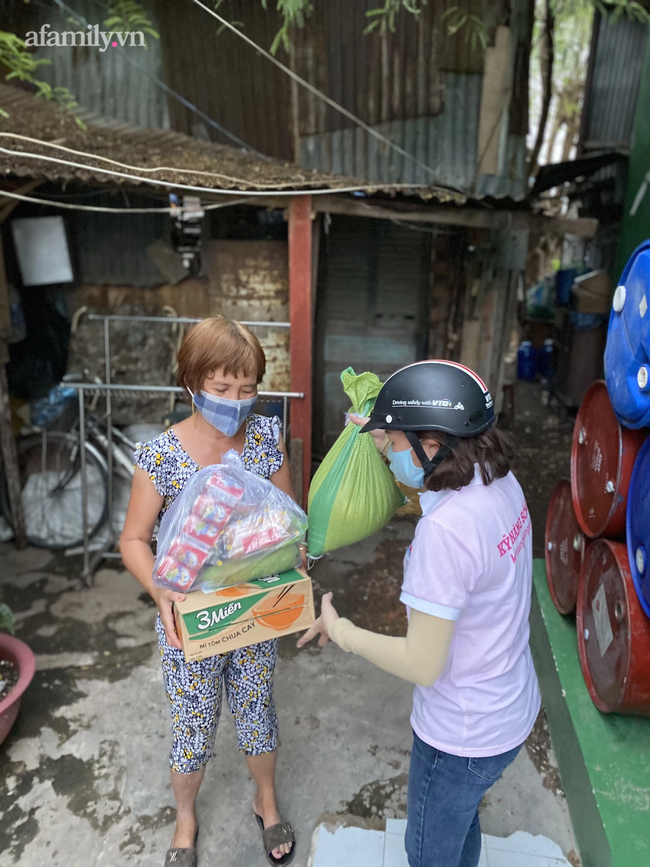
[[276, 836], [186, 857]]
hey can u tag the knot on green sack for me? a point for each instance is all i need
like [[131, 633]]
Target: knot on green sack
[[362, 389]]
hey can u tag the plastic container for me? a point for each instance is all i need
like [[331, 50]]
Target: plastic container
[[564, 550], [602, 459], [545, 356], [22, 657], [638, 526], [563, 285], [613, 632], [627, 354], [526, 361]]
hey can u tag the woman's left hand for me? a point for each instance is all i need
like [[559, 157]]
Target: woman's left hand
[[322, 626]]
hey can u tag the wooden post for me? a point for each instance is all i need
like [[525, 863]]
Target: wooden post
[[7, 441], [300, 338]]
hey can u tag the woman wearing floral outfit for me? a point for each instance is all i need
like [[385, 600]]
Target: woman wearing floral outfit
[[221, 364]]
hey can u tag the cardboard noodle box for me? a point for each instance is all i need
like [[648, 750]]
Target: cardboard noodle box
[[243, 614]]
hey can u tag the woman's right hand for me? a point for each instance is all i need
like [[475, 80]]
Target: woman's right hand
[[164, 600], [378, 435]]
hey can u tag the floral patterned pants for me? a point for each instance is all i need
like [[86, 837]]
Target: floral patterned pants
[[194, 690]]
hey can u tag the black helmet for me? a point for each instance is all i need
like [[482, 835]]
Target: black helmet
[[433, 395]]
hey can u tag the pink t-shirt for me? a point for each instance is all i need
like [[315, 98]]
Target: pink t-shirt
[[471, 561]]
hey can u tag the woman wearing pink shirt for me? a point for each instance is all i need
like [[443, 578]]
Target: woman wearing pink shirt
[[467, 587]]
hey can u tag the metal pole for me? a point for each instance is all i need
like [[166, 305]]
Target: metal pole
[[251, 323], [84, 485], [109, 428], [285, 432], [176, 389]]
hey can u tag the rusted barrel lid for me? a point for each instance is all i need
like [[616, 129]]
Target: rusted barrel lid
[[565, 549], [613, 632], [602, 459]]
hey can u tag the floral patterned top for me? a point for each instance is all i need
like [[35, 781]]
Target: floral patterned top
[[169, 466]]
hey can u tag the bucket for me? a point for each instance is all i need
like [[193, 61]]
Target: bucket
[[613, 632], [526, 361], [627, 354], [563, 285], [638, 526], [602, 459], [565, 549]]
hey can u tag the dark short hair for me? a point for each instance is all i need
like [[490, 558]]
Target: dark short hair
[[492, 450]]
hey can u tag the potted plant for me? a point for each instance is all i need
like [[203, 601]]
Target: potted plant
[[17, 666]]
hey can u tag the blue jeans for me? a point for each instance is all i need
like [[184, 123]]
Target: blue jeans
[[444, 792]]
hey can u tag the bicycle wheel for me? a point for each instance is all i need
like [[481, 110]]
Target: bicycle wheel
[[50, 478]]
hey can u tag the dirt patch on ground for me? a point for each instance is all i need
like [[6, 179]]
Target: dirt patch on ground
[[8, 677], [538, 747]]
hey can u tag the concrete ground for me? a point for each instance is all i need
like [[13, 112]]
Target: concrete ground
[[84, 775]]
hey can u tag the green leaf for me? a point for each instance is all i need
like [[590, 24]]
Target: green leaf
[[6, 617]]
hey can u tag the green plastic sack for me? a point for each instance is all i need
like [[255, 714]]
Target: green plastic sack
[[353, 493]]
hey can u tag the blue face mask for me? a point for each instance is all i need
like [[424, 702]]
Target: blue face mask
[[404, 470], [225, 415]]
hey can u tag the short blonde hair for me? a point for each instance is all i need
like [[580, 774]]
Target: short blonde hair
[[219, 344]]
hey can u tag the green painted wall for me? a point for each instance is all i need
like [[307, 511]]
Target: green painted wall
[[637, 228]]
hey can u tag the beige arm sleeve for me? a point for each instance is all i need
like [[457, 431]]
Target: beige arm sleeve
[[418, 658]]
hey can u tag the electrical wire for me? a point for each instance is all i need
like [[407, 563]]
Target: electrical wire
[[62, 6], [217, 191], [103, 210], [315, 90], [145, 169]]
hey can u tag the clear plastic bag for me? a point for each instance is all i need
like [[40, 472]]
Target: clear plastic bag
[[226, 527]]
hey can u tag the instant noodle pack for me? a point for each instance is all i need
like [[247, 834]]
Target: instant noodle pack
[[228, 526], [244, 614]]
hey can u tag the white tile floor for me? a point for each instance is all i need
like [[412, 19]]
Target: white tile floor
[[358, 847]]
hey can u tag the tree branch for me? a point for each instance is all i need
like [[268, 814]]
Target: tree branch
[[547, 86]]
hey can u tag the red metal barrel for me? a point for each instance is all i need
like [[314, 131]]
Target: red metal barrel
[[602, 459], [613, 632], [565, 549]]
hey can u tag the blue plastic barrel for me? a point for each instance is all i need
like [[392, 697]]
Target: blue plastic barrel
[[545, 359], [526, 361], [627, 354], [638, 525]]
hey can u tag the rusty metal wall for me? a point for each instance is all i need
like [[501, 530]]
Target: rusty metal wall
[[225, 78], [614, 78], [104, 82], [445, 142], [418, 85], [250, 280]]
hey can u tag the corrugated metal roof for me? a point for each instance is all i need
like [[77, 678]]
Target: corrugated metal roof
[[180, 157], [145, 148], [616, 65]]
